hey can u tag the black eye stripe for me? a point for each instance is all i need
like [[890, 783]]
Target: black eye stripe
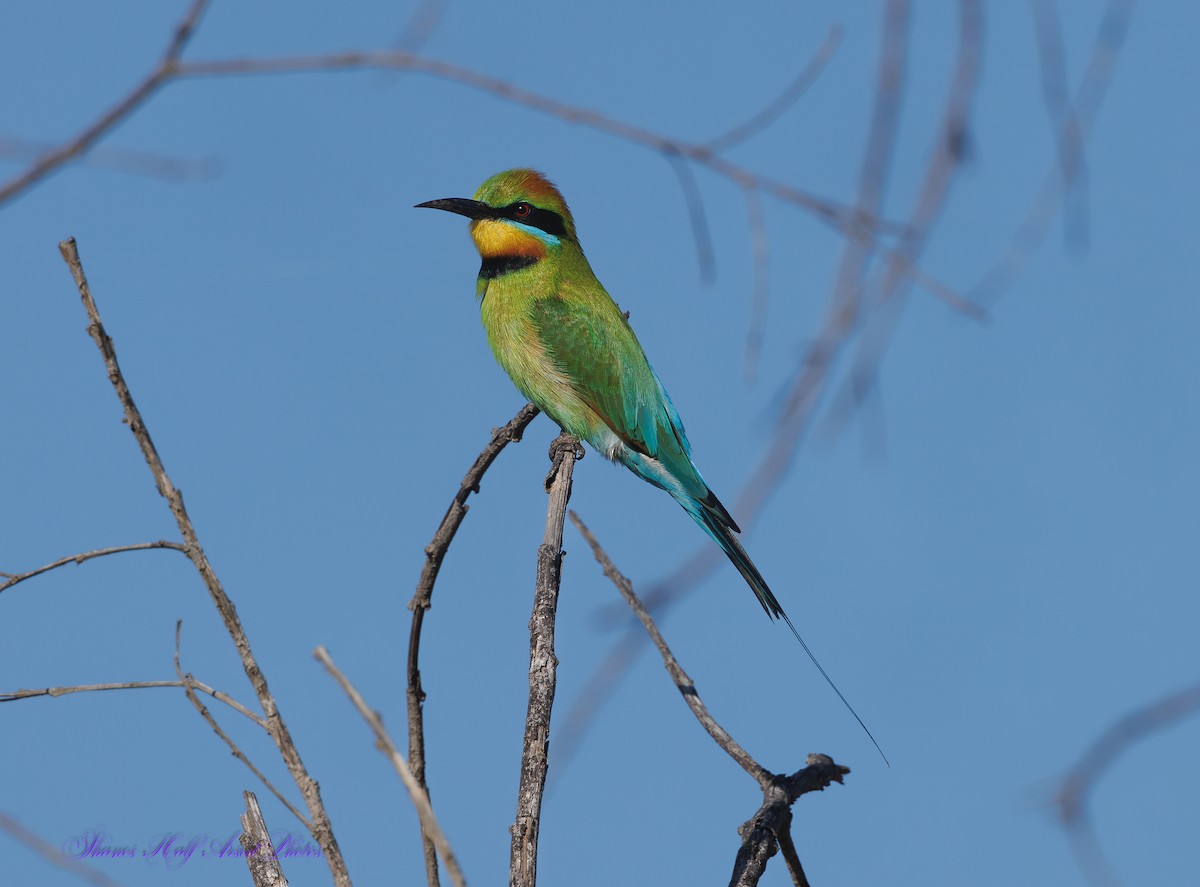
[[545, 219]]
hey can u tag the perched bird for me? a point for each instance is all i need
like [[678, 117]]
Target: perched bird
[[569, 349]]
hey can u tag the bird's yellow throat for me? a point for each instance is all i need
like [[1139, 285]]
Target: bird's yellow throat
[[495, 238]]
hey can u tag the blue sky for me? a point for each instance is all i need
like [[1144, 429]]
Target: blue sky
[[996, 560]]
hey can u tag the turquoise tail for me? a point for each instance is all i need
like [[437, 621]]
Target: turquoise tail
[[712, 516], [717, 523]]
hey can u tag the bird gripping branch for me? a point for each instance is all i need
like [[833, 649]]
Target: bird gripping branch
[[569, 349]]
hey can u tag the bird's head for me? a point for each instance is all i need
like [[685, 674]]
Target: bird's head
[[515, 213]]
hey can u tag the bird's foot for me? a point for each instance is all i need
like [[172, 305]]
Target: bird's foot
[[559, 447]]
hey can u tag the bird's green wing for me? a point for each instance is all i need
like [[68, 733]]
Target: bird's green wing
[[595, 348]]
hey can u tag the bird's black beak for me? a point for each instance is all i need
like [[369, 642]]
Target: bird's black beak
[[472, 209]]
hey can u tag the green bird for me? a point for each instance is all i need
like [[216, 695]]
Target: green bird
[[569, 349]]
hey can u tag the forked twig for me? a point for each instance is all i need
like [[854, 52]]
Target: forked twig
[[190, 685], [773, 820], [158, 76]]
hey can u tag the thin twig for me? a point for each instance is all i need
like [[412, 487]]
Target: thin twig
[[385, 744], [121, 160], [1064, 126], [543, 664], [11, 579], [55, 692], [322, 830], [694, 202], [831, 212], [190, 684], [684, 683], [265, 869], [51, 161], [1076, 789], [435, 553], [1114, 27], [852, 222], [57, 856], [790, 95], [945, 161], [756, 328], [420, 26], [787, 849]]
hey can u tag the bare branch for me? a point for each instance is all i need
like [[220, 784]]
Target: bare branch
[[54, 855], [421, 26], [435, 553], [564, 452], [756, 329], [11, 579], [163, 71], [945, 161], [385, 744], [265, 869], [787, 98], [787, 849], [55, 692], [1064, 125], [853, 223], [684, 683], [122, 160], [832, 212], [761, 833], [705, 257], [190, 685], [322, 830], [1088, 98], [1076, 789]]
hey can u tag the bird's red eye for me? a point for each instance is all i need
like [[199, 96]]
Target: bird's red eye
[[522, 210]]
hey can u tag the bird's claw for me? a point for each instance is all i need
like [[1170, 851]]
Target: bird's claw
[[559, 447]]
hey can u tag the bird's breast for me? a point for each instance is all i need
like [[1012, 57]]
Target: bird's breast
[[521, 353]]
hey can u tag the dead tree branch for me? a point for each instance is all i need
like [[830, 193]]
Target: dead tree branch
[[686, 687], [385, 743], [54, 160], [56, 856], [1076, 790], [11, 579], [764, 832], [322, 829], [190, 685], [265, 869], [435, 553], [769, 830], [543, 664], [1077, 126], [850, 221]]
